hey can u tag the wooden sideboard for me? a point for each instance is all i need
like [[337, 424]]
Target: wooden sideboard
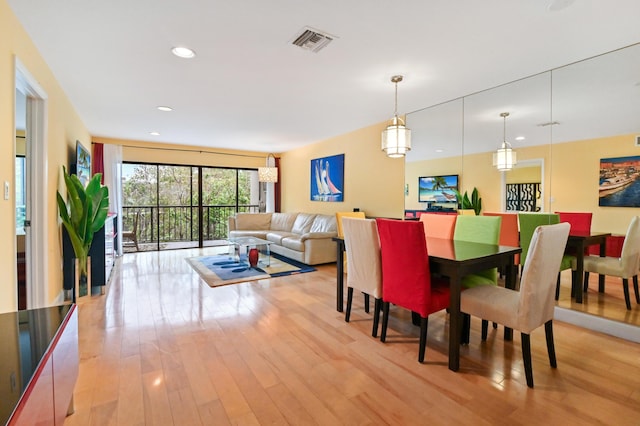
[[39, 364]]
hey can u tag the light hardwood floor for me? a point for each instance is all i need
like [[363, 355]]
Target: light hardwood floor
[[162, 348]]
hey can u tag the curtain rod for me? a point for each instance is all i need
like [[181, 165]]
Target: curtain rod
[[189, 150]]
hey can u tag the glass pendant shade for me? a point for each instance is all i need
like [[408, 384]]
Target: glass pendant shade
[[268, 173], [396, 139], [504, 158]]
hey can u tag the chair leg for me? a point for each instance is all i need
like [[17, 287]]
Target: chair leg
[[485, 328], [424, 322], [635, 288], [366, 302], [347, 313], [625, 287], [495, 325], [586, 281], [377, 306], [385, 321], [466, 329], [526, 358], [548, 331], [558, 287]]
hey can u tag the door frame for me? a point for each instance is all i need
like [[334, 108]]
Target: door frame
[[36, 254]]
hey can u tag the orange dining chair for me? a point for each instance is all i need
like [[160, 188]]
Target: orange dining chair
[[406, 277], [364, 264], [531, 306], [439, 225], [625, 266], [509, 233]]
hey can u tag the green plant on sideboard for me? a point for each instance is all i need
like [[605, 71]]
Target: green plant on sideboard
[[83, 215], [474, 203]]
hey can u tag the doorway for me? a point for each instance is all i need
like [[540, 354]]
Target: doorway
[[31, 210]]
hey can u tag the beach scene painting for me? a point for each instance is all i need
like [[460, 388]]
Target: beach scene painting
[[438, 189], [327, 178], [619, 185]]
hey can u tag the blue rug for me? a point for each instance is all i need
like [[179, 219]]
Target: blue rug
[[223, 269]]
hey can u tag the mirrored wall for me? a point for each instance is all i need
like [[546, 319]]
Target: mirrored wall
[[562, 124]]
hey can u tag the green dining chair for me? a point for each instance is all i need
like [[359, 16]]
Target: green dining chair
[[479, 229], [528, 223]]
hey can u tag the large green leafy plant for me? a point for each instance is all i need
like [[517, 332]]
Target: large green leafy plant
[[84, 215], [475, 202]]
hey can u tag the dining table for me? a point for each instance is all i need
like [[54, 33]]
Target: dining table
[[453, 259], [577, 244]]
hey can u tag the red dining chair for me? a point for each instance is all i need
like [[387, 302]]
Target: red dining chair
[[439, 225], [406, 277], [580, 222]]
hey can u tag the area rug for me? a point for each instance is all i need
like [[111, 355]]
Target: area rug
[[222, 269]]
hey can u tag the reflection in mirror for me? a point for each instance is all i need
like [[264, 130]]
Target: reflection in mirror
[[522, 189], [528, 102], [596, 115], [436, 151]]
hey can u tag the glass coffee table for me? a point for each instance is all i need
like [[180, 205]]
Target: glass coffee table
[[241, 248]]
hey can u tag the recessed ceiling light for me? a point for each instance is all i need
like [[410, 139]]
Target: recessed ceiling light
[[165, 108], [183, 52], [154, 133], [439, 150], [520, 138]]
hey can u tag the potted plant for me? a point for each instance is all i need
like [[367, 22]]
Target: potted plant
[[475, 203], [85, 214]]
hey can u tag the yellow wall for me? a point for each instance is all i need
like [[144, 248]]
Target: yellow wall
[[523, 175], [372, 182], [575, 175], [416, 169], [64, 128]]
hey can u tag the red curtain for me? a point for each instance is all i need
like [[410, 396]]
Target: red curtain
[[98, 160], [277, 194]]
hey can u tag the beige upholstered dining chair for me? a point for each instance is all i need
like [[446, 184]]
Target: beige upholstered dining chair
[[625, 266], [533, 305], [363, 264]]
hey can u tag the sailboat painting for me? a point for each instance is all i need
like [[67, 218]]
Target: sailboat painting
[[327, 178]]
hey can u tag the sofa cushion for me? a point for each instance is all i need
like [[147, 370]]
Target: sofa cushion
[[253, 221], [293, 243], [303, 223], [276, 237], [324, 223], [282, 221]]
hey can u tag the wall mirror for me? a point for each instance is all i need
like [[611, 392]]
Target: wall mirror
[[570, 118]]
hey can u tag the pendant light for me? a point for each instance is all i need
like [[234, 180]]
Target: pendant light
[[268, 173], [396, 138], [504, 158]]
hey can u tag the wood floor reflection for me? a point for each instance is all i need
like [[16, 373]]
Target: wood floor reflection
[[163, 348], [609, 304]]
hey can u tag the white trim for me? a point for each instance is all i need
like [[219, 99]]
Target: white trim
[[599, 324], [36, 238]]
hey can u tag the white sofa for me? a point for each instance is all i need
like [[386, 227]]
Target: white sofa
[[304, 237]]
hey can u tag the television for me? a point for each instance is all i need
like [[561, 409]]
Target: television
[[83, 164], [438, 190]]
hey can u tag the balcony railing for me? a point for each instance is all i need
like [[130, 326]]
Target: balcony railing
[[162, 224]]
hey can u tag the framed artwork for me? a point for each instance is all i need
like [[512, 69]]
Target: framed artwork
[[619, 185], [327, 178]]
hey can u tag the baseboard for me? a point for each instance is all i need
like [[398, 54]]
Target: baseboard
[[602, 325]]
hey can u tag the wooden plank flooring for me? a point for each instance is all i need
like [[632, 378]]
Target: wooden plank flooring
[[163, 348]]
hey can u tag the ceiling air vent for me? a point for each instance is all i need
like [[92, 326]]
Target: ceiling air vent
[[312, 40]]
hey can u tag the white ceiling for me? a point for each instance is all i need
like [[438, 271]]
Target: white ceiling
[[249, 88]]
